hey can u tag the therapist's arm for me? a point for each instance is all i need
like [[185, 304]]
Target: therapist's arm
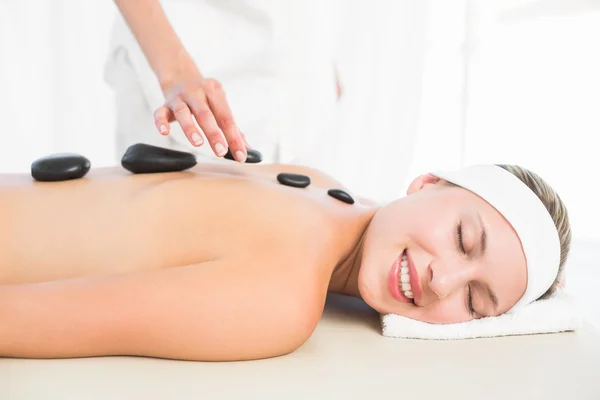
[[338, 83], [188, 94]]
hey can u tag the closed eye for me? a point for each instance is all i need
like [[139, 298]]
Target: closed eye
[[461, 248], [459, 242], [470, 302]]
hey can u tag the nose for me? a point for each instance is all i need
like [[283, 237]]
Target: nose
[[448, 274]]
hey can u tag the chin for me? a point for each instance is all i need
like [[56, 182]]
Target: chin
[[364, 289], [369, 292]]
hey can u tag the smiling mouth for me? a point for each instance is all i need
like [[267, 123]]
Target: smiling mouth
[[404, 278], [403, 281]]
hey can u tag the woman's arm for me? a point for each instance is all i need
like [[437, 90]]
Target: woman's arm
[[213, 311]]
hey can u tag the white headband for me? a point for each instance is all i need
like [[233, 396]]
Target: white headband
[[527, 215]]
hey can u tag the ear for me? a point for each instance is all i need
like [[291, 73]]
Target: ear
[[419, 183]]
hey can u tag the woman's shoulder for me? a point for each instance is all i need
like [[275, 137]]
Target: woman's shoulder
[[292, 280]]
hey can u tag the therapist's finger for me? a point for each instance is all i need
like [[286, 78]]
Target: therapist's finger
[[162, 115], [224, 117], [207, 123], [183, 115], [245, 140]]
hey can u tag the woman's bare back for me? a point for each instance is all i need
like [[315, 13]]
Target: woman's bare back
[[222, 262], [114, 221]]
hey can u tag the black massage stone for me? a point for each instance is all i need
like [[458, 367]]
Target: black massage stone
[[254, 156], [340, 195], [295, 180], [60, 167], [143, 158]]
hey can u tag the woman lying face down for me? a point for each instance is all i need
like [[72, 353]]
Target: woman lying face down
[[222, 262]]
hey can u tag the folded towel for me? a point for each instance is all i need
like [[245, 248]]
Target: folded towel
[[558, 313]]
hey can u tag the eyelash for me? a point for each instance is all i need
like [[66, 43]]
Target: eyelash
[[470, 302], [461, 247]]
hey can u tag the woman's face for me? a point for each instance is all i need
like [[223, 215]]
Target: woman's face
[[459, 251]]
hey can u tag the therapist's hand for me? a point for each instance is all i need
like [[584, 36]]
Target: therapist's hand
[[189, 96], [197, 98]]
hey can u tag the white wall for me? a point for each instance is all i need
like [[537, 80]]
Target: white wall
[[52, 94], [534, 97]]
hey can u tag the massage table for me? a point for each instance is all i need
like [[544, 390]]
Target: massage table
[[346, 358]]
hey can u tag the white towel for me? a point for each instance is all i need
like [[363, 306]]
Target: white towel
[[558, 313]]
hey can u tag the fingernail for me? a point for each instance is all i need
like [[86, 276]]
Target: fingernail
[[163, 129], [220, 149], [197, 139], [240, 156]]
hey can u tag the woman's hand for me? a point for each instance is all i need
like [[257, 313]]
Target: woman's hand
[[203, 100]]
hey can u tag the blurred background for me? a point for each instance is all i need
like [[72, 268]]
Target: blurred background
[[427, 85]]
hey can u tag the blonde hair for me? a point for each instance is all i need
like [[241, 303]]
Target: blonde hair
[[558, 212]]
